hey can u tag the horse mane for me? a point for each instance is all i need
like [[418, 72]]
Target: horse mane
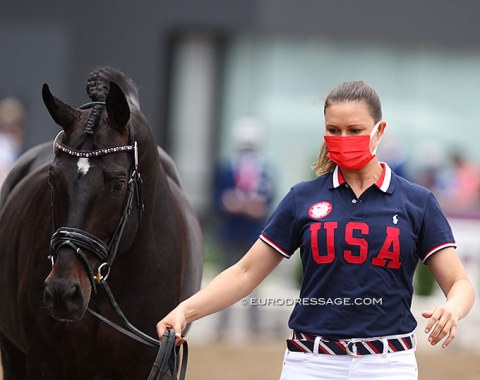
[[98, 86]]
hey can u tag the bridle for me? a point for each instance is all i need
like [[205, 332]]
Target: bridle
[[79, 241]]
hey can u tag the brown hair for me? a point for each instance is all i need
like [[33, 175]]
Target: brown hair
[[347, 92]]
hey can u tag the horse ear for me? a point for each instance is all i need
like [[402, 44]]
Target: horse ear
[[63, 114], [117, 107]]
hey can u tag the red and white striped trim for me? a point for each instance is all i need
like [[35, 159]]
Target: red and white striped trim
[[404, 343], [300, 342], [319, 345], [342, 344], [391, 348], [371, 348], [301, 346], [275, 246], [438, 248], [383, 182]]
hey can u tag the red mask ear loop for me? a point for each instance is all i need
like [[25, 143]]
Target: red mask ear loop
[[373, 133]]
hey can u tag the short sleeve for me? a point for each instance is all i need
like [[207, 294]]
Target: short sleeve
[[435, 233], [281, 231]]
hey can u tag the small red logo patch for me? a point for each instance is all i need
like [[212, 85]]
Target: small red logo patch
[[320, 210]]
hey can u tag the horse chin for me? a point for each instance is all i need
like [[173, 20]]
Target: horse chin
[[68, 316]]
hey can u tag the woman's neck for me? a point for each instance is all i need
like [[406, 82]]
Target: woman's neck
[[361, 180]]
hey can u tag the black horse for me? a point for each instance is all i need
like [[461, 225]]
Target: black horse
[[104, 202]]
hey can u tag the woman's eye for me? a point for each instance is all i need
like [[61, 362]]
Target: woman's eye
[[120, 184]]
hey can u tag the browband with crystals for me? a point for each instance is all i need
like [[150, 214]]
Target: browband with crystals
[[94, 153], [98, 152]]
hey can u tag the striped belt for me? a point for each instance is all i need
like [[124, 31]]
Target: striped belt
[[355, 347]]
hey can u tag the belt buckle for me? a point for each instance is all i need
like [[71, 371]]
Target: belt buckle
[[353, 343]]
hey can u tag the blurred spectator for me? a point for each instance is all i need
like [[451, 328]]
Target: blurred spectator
[[431, 158], [458, 187], [12, 117], [395, 154], [243, 195]]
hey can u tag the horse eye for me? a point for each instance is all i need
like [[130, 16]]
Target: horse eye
[[120, 184]]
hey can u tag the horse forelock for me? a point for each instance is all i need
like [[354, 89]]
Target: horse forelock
[[98, 85], [93, 118]]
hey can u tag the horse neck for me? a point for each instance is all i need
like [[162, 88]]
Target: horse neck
[[156, 189]]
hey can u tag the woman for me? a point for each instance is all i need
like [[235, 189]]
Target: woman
[[361, 230]]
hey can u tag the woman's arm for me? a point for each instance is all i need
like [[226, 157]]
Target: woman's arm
[[450, 274], [228, 287]]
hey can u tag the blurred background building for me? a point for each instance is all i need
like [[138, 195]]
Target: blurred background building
[[200, 65]]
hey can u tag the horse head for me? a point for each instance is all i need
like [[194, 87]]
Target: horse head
[[94, 182]]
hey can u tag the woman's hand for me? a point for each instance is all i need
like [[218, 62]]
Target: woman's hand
[[443, 321], [174, 320], [450, 274]]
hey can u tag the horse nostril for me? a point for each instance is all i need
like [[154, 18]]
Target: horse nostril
[[63, 299], [72, 292], [73, 297]]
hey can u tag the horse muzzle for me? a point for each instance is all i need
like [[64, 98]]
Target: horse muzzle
[[66, 293], [64, 302]]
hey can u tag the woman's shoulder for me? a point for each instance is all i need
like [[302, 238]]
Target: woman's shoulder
[[402, 181], [411, 189], [312, 184]]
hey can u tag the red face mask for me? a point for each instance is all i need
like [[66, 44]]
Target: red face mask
[[350, 152]]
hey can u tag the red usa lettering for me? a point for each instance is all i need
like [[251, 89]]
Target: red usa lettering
[[388, 256]]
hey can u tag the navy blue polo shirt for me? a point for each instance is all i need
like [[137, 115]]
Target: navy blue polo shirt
[[358, 254]]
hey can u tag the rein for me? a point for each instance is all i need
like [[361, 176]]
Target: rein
[[165, 360], [81, 241]]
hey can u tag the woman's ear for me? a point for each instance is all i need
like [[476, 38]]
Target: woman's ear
[[381, 128]]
